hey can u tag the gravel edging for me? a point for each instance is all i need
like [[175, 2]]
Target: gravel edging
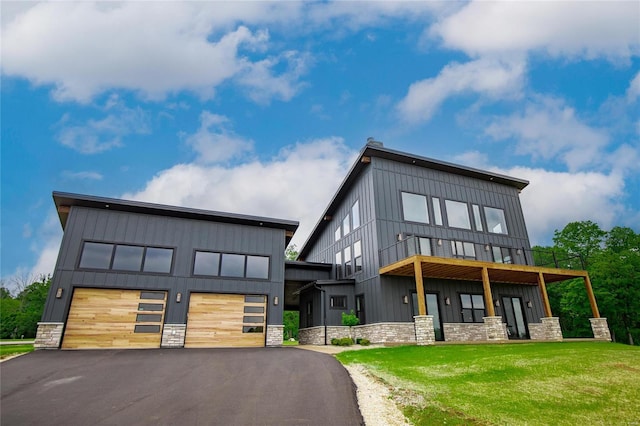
[[374, 399]]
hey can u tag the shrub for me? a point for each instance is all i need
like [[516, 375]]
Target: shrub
[[344, 341], [350, 319], [334, 341], [364, 342]]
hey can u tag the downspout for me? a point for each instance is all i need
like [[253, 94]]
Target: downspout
[[324, 310]]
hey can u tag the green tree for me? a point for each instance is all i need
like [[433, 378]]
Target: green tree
[[584, 239], [9, 309], [291, 253], [32, 300], [291, 321]]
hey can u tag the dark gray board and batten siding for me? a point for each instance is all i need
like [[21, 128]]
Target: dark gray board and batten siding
[[184, 236]]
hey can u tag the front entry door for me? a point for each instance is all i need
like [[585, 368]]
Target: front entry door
[[514, 315]]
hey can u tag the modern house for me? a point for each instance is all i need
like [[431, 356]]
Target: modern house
[[421, 250]]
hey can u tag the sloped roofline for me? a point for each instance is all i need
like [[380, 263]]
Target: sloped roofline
[[376, 149], [65, 200]]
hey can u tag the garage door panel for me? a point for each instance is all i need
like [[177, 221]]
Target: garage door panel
[[217, 320], [107, 318]]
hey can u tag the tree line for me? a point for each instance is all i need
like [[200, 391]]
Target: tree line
[[20, 313], [612, 259]]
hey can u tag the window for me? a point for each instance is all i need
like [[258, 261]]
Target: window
[[337, 234], [206, 263], [463, 250], [338, 302], [496, 222], [128, 258], [96, 256], [257, 267], [347, 262], [437, 211], [414, 208], [502, 255], [355, 215], [457, 214], [357, 256], [158, 260], [419, 245], [232, 265], [338, 265], [123, 257], [254, 299], [476, 217], [472, 307], [360, 308], [345, 225]]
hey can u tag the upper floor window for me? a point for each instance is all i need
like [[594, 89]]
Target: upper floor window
[[357, 256], [496, 222], [414, 208], [337, 235], [123, 257], [355, 215], [457, 214], [463, 250], [476, 217], [230, 265], [345, 225], [338, 265], [347, 262], [502, 255], [437, 211], [472, 307]]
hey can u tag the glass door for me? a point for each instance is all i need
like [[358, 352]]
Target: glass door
[[433, 308], [514, 315]]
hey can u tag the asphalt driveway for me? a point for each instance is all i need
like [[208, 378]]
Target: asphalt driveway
[[262, 386]]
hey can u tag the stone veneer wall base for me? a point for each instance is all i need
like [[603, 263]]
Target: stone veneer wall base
[[386, 332], [275, 334], [48, 335], [173, 335]]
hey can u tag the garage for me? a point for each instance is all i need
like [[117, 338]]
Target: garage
[[225, 320], [114, 319]]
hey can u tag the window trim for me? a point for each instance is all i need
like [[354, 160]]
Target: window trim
[[355, 212], [114, 246], [446, 208], [504, 217], [233, 277], [338, 297], [454, 250], [472, 309], [426, 208]]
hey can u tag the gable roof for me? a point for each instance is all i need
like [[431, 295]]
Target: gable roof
[[376, 149], [65, 200]]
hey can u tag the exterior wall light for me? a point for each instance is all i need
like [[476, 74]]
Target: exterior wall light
[[486, 247], [439, 241], [59, 293], [529, 304], [497, 302], [275, 300], [178, 297], [447, 301], [518, 252], [405, 299]]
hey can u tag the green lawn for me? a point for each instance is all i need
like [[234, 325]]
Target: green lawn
[[10, 350], [577, 383]]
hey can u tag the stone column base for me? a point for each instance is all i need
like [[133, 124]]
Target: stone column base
[[275, 334], [552, 330], [495, 328], [425, 334], [48, 335], [600, 329], [173, 335]]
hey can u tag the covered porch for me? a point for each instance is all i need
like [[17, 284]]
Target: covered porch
[[422, 267]]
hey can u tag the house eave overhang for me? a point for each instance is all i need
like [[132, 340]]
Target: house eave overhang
[[65, 201], [471, 270]]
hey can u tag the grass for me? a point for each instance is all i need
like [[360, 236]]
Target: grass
[[10, 350], [290, 343], [589, 383]]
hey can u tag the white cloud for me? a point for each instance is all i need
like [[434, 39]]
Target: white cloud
[[214, 142], [562, 28], [296, 185], [95, 136], [151, 48], [493, 78], [548, 128], [47, 246], [633, 92], [84, 175], [554, 199]]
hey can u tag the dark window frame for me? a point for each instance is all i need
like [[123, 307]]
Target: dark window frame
[[464, 255], [114, 247], [220, 275], [504, 217], [335, 297], [446, 210], [426, 205], [476, 313]]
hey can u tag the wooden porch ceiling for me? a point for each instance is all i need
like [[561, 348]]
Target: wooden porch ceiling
[[471, 270]]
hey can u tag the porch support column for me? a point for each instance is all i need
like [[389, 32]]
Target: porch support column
[[488, 298], [592, 298], [422, 305], [545, 297]]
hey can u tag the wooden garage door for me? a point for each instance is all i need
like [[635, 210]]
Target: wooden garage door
[[101, 318], [225, 320]]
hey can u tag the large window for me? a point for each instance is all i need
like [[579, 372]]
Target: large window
[[414, 208], [357, 256], [472, 307], [230, 265], [355, 215], [347, 262], [457, 214], [123, 257], [463, 250], [496, 222], [345, 225]]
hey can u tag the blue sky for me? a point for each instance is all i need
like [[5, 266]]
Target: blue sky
[[259, 108]]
